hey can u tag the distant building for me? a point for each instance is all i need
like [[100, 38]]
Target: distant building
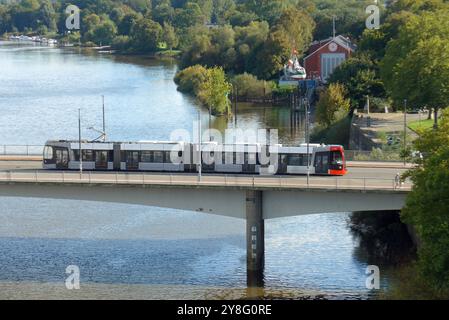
[[325, 55]]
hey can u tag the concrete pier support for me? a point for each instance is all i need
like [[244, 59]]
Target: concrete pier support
[[255, 239]]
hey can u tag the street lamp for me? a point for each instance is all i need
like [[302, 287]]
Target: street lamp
[[199, 147], [306, 104], [80, 147], [405, 131]]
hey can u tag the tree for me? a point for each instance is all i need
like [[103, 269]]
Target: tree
[[163, 12], [415, 66], [269, 10], [298, 26], [47, 15], [350, 15], [360, 76], [332, 106], [105, 32], [222, 11], [272, 56], [146, 35], [169, 36], [127, 22], [190, 79], [214, 91], [427, 205], [189, 16]]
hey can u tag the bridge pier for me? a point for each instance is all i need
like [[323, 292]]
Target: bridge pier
[[255, 242]]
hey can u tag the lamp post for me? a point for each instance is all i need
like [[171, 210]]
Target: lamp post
[[405, 131], [306, 104], [80, 147], [199, 147], [104, 122]]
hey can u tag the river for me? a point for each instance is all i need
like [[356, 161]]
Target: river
[[126, 251]]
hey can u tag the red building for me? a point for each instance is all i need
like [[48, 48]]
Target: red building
[[324, 56]]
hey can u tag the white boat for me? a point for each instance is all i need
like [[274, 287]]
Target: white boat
[[293, 71]]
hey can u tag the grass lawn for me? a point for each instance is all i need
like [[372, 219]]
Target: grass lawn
[[421, 125]]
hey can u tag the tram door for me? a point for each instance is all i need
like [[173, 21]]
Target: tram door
[[62, 158], [322, 163], [249, 165], [132, 160], [282, 164], [101, 159]]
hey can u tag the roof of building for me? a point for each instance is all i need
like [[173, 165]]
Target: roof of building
[[341, 40]]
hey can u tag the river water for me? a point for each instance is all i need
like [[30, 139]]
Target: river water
[[126, 251]]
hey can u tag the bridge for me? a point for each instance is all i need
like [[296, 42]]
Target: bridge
[[367, 187]]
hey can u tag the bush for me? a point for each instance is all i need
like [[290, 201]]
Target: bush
[[337, 133], [190, 79], [121, 43], [89, 44], [332, 106], [248, 86]]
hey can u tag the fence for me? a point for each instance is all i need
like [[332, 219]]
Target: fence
[[21, 150], [282, 182]]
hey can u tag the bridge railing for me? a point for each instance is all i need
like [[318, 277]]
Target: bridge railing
[[21, 150], [282, 182]]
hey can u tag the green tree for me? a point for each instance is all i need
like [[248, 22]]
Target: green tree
[[332, 105], [48, 15], [427, 205], [169, 36], [146, 35], [189, 16], [163, 12], [360, 76], [270, 59], [415, 66], [190, 79], [222, 11], [127, 22], [269, 10], [214, 91], [102, 33], [298, 26]]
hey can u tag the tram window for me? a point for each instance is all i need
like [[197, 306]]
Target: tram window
[[239, 158], [48, 153], [158, 157], [88, 155], [283, 159], [251, 158], [229, 157], [147, 156], [102, 156], [295, 160], [325, 159], [74, 155], [336, 157]]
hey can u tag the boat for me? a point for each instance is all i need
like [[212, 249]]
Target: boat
[[293, 71]]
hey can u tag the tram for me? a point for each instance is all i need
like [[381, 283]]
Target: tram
[[158, 156]]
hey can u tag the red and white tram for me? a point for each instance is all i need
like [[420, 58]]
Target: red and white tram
[[183, 157]]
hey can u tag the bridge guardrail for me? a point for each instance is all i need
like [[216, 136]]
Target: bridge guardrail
[[288, 182], [21, 150]]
